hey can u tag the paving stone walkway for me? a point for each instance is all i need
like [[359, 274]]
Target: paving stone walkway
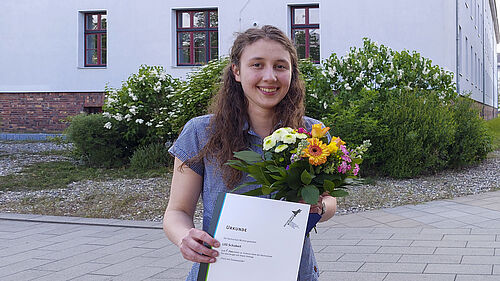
[[447, 240]]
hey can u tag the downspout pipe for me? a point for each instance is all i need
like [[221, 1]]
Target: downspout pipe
[[484, 88], [457, 48]]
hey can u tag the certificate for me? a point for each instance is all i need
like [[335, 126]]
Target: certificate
[[261, 239]]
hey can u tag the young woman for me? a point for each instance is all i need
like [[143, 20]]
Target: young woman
[[261, 91]]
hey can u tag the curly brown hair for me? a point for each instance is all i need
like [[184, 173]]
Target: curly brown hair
[[230, 106]]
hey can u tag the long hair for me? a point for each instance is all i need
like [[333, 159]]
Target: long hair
[[229, 106]]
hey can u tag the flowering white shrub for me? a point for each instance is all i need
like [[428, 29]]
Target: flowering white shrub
[[140, 103]]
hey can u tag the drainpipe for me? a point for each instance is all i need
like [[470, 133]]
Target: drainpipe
[[457, 47], [241, 11], [484, 88]]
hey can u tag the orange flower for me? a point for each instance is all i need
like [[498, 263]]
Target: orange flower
[[318, 132], [317, 151]]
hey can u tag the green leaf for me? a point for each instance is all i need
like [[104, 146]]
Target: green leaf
[[245, 184], [248, 156], [278, 178], [305, 177], [328, 185], [273, 168], [254, 192], [266, 190], [310, 194], [339, 193]]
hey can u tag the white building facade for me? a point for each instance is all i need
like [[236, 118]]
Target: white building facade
[[80, 46]]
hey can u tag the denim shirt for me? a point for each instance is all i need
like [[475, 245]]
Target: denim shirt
[[189, 143]]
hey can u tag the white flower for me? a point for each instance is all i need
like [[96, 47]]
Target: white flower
[[157, 86], [133, 109], [159, 126], [400, 74], [149, 124], [106, 114], [325, 105], [289, 138], [163, 76], [370, 63], [347, 87], [435, 76], [118, 117], [269, 142], [301, 136], [278, 134], [331, 71], [361, 76], [107, 125], [280, 148], [139, 121], [127, 117], [425, 71]]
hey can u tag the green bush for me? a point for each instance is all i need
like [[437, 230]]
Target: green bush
[[96, 145], [193, 95], [150, 156], [420, 131], [318, 91], [473, 139], [406, 106]]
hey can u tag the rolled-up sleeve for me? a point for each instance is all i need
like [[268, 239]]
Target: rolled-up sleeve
[[190, 142]]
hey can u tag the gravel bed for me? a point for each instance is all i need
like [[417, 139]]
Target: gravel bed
[[146, 199]]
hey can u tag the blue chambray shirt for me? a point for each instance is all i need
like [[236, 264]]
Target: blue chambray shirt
[[189, 143]]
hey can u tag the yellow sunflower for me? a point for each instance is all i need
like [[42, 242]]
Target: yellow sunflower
[[317, 151]]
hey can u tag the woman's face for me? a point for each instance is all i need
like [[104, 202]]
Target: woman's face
[[264, 73]]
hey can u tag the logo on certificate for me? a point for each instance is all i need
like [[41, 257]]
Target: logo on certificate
[[290, 222]]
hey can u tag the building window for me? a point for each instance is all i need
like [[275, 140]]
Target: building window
[[305, 31], [197, 36], [95, 39], [92, 109]]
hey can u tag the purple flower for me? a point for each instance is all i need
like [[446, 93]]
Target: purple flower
[[356, 169], [344, 150], [343, 168], [287, 167], [346, 158]]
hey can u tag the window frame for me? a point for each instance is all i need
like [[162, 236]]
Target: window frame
[[208, 29], [306, 27], [99, 32]]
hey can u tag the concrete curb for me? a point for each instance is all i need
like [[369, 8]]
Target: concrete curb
[[81, 221]]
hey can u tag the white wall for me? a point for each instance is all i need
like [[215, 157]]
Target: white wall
[[427, 26]]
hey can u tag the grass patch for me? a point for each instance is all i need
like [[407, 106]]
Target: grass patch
[[494, 126], [58, 174]]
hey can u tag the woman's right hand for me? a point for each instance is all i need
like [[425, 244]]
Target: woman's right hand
[[192, 247]]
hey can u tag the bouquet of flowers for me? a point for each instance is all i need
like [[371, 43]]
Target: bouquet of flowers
[[298, 164]]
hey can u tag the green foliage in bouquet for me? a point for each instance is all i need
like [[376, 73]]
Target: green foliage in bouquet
[[300, 165]]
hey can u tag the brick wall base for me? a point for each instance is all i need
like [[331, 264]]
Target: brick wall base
[[43, 112], [487, 112]]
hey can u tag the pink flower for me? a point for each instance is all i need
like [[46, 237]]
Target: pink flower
[[302, 131], [346, 158], [343, 168], [356, 169], [344, 150]]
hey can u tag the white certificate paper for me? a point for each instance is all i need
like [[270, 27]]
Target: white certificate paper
[[261, 239]]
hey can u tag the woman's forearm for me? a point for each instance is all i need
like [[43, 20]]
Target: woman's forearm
[[176, 224]]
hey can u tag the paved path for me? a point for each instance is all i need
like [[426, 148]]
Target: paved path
[[448, 240]]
